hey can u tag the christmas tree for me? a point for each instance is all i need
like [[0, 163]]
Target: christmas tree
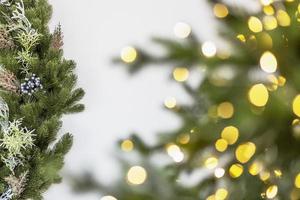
[[37, 86], [240, 138]]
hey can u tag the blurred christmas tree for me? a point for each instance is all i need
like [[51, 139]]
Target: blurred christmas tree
[[240, 138]]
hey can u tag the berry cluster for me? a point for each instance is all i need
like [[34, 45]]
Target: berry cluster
[[31, 85]]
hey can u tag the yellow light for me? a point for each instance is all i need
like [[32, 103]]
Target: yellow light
[[296, 105], [241, 37], [296, 122], [220, 10], [136, 175], [181, 74], [297, 181], [184, 138], [255, 24], [219, 172], [236, 170], [182, 30], [108, 198], [264, 175], [221, 145], [128, 54], [127, 145], [209, 49], [230, 134], [258, 95], [175, 152], [272, 82], [268, 62], [170, 102], [269, 10], [278, 173], [225, 110], [255, 168], [221, 194], [211, 162], [271, 192], [211, 197], [283, 18], [270, 22], [281, 81], [266, 2], [244, 152]]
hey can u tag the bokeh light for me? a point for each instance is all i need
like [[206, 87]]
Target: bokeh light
[[244, 152], [297, 181], [258, 95], [225, 110], [219, 172], [283, 18], [182, 30], [268, 62], [220, 10], [127, 145], [209, 49], [221, 145], [211, 162], [236, 170], [270, 22], [296, 105], [170, 102], [264, 175], [175, 152], [255, 168], [230, 134], [136, 175], [181, 74], [266, 2], [255, 24], [128, 54], [271, 192], [108, 198], [221, 194]]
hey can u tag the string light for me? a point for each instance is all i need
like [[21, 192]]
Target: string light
[[278, 173], [255, 24], [297, 181], [236, 170], [219, 172], [268, 62], [175, 152], [281, 81], [108, 198], [244, 152], [170, 102], [211, 197], [181, 74], [225, 110], [258, 95], [220, 10], [221, 194], [211, 162], [296, 105], [230, 134], [209, 49], [127, 145], [182, 30], [271, 192], [283, 18], [136, 175], [221, 145], [270, 22], [128, 54], [184, 138]]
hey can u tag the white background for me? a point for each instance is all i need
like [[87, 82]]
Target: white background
[[117, 103]]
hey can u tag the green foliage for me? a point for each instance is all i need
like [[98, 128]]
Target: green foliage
[[43, 110]]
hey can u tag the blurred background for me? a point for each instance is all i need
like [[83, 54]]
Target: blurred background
[[116, 103]]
